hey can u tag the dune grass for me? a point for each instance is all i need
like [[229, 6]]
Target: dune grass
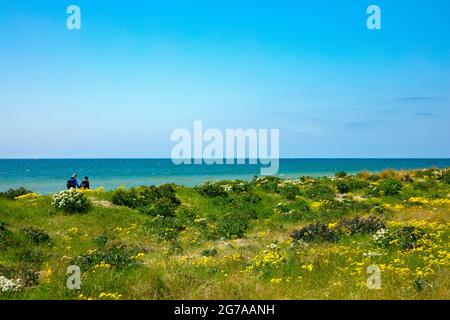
[[239, 243]]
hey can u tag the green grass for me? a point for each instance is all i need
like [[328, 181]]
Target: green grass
[[262, 263]]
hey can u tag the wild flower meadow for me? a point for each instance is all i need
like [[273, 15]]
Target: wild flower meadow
[[269, 238]]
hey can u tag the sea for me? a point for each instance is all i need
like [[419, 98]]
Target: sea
[[50, 175]]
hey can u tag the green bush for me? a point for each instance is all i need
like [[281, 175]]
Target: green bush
[[374, 178], [390, 187], [386, 187], [235, 186], [427, 173], [301, 205], [162, 207], [233, 225], [424, 185], [35, 235], [340, 174], [342, 186], [267, 183], [245, 200], [128, 198], [333, 232], [319, 189], [362, 225], [143, 196], [351, 184], [150, 200], [315, 232], [13, 193], [29, 277], [23, 271], [292, 215], [117, 256], [281, 207], [446, 176], [289, 191], [211, 190], [71, 201], [293, 211], [167, 190], [403, 238], [246, 203], [209, 252]]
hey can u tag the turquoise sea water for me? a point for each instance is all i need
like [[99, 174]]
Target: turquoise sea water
[[50, 175]]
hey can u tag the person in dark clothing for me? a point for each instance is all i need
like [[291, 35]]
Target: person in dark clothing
[[85, 183], [73, 182]]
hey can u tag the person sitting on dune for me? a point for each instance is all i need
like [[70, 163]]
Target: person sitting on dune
[[73, 182], [85, 183]]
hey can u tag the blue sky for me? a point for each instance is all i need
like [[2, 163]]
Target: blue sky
[[137, 71]]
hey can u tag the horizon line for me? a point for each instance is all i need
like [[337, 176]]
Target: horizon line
[[280, 158]]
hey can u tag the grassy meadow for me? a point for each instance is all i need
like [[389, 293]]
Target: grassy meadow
[[269, 238]]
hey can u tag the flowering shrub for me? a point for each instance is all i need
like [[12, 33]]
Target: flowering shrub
[[117, 256], [434, 173], [445, 177], [315, 232], [405, 237], [7, 285], [340, 174], [281, 208], [289, 191], [318, 189], [214, 189], [349, 184], [235, 186], [24, 275], [334, 231], [150, 200], [163, 207], [267, 183], [362, 225], [70, 201], [424, 184], [294, 211], [386, 187], [211, 190]]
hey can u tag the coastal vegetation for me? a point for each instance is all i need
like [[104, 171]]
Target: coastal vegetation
[[268, 238]]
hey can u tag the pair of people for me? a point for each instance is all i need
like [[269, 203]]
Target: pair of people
[[73, 183]]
